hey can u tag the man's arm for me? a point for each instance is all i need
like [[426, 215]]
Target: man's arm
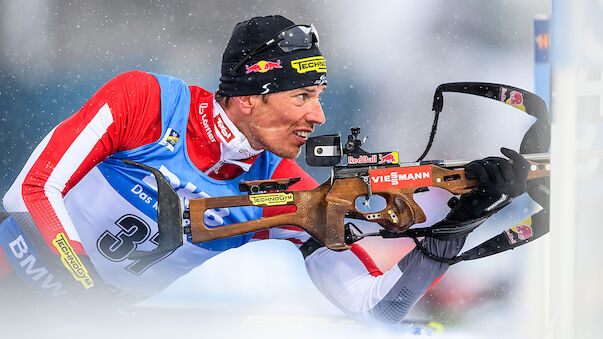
[[122, 115], [351, 280]]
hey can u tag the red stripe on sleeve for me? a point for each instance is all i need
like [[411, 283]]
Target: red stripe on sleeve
[[134, 101], [263, 234], [366, 259], [33, 188], [291, 228], [434, 282]]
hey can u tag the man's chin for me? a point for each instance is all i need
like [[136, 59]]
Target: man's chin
[[287, 154]]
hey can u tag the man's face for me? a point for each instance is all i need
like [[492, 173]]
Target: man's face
[[281, 124]]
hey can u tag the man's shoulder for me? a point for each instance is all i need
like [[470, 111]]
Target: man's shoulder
[[200, 93], [289, 168], [135, 75], [138, 76]]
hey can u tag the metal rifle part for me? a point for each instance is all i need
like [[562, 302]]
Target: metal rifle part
[[169, 216], [264, 186], [538, 136], [531, 157], [463, 163]]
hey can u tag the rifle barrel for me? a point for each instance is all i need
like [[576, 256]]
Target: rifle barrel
[[461, 163], [532, 157]]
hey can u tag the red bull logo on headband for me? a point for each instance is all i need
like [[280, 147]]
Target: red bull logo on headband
[[263, 66]]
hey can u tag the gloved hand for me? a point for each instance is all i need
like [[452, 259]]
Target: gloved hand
[[499, 182]]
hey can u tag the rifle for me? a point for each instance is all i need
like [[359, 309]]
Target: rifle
[[321, 211]]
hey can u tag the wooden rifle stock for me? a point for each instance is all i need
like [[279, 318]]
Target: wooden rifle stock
[[321, 211], [315, 214]]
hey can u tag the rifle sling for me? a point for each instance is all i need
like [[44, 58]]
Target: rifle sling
[[494, 245], [499, 243]]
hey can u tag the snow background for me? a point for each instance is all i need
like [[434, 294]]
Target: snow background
[[385, 59]]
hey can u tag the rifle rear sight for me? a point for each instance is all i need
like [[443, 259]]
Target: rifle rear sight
[[326, 150]]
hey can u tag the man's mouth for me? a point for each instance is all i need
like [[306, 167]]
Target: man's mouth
[[302, 134]]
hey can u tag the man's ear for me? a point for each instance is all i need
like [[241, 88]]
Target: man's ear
[[245, 103]]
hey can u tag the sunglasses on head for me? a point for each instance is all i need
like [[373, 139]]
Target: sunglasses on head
[[290, 39]]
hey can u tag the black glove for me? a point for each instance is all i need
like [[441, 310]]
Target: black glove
[[499, 182]]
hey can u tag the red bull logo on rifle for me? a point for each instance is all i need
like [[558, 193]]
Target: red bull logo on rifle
[[263, 66], [375, 158], [389, 158], [363, 159]]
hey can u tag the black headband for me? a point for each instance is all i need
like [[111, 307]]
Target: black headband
[[260, 58]]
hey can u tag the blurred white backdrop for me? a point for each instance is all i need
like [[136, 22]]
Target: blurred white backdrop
[[385, 59]]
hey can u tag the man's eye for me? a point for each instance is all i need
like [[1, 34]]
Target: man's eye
[[302, 96]]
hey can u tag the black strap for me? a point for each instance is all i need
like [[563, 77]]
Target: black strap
[[445, 230], [504, 241], [449, 261], [442, 230], [309, 247]]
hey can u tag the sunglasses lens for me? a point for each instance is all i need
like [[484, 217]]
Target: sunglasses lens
[[298, 37]]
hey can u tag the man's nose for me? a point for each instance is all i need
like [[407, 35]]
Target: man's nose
[[316, 114]]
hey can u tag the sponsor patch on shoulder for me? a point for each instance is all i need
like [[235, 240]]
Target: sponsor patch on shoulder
[[170, 139], [71, 261]]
